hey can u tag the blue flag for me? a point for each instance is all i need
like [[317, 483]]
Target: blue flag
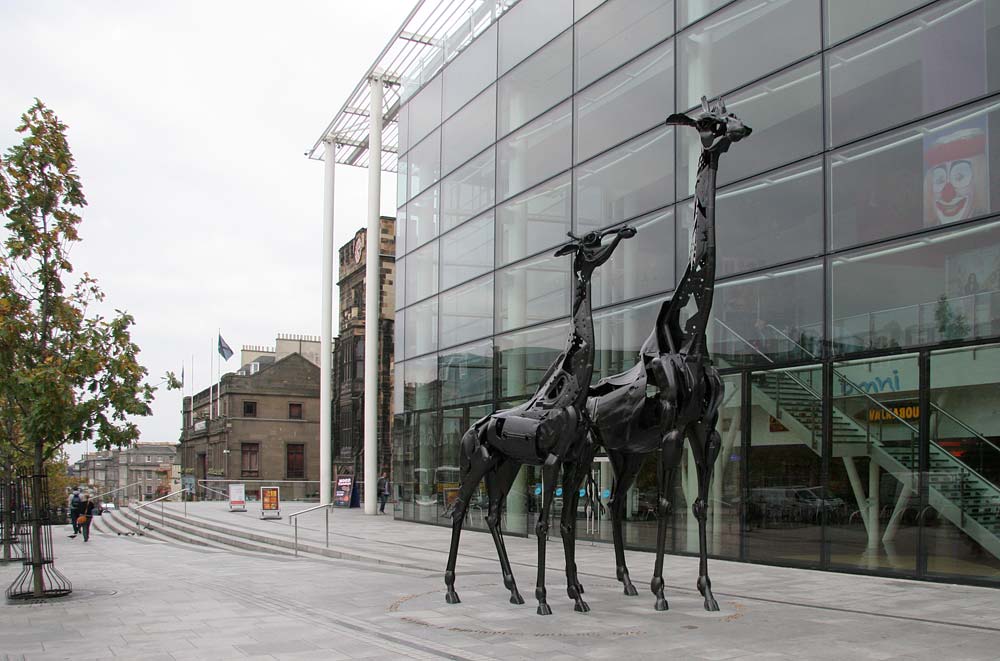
[[224, 349]]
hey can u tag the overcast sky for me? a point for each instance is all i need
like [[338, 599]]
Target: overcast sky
[[188, 121]]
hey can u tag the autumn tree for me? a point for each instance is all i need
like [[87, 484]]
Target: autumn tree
[[67, 374]]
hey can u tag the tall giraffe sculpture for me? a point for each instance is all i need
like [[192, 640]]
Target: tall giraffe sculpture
[[630, 424], [550, 430]]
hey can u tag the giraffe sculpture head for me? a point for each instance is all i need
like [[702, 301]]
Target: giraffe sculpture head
[[717, 127], [589, 252]]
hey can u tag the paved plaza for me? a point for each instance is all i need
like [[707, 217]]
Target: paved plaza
[[144, 598]]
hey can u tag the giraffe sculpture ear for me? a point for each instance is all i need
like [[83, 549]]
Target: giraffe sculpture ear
[[566, 250], [680, 119]]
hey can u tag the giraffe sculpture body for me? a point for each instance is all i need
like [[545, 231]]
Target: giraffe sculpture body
[[550, 430], [675, 361]]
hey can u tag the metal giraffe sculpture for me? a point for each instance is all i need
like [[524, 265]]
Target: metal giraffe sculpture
[[550, 430], [676, 361]]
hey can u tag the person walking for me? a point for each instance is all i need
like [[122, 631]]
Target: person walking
[[74, 510], [383, 492], [88, 508]]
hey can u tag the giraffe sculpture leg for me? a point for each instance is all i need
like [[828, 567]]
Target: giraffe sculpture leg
[[670, 456], [474, 468], [705, 445], [498, 483], [573, 477], [626, 468], [550, 473]]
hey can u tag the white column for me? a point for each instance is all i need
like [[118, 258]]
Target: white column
[[372, 288], [326, 339]]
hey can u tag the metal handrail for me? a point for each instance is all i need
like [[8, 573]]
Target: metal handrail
[[294, 517], [202, 484], [138, 514], [101, 495], [965, 426]]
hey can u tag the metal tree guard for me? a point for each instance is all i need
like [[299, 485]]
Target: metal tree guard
[[9, 542], [39, 577]]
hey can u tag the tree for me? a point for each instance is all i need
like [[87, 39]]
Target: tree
[[66, 374]]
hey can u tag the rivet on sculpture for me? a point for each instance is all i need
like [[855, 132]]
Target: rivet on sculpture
[[675, 360], [550, 430]]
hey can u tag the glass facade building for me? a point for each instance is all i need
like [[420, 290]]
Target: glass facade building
[[857, 311]]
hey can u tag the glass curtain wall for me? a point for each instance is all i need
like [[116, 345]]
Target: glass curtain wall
[[857, 308]]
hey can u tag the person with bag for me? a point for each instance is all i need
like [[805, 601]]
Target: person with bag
[[87, 509], [74, 511], [383, 492]]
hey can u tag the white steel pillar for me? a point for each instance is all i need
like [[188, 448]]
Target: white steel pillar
[[326, 339], [372, 289]]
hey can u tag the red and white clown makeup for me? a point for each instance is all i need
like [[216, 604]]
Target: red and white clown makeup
[[956, 177]]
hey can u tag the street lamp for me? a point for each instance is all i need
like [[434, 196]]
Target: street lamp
[[225, 466]]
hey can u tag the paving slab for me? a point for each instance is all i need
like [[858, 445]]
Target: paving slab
[[139, 598]]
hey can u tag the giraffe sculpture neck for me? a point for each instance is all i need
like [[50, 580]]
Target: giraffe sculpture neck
[[701, 265]]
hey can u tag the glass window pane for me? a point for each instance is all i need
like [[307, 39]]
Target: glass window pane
[[400, 231], [422, 273], [922, 176], [421, 384], [527, 355], [627, 181], [876, 450], [528, 25], [422, 219], [466, 374], [421, 328], [536, 85], [689, 11], [712, 56], [533, 291], [619, 333], [425, 111], [533, 221], [937, 287], [403, 127], [785, 113], [766, 220], [468, 190], [402, 181], [470, 72], [768, 317], [926, 62], [583, 7], [640, 266], [467, 312], [535, 152], [400, 284], [398, 377], [467, 252], [424, 163], [637, 97], [617, 32], [845, 18], [471, 130], [965, 463], [784, 514]]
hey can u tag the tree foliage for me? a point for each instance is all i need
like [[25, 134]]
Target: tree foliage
[[66, 374]]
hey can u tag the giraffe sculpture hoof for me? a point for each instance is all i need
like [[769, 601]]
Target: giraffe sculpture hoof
[[544, 609], [452, 597], [516, 598]]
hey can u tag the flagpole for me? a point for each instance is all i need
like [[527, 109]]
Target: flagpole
[[211, 386], [218, 373]]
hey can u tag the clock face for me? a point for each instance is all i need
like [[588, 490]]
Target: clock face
[[359, 248]]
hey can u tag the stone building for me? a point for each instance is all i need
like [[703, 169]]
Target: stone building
[[144, 469], [259, 425], [349, 352]]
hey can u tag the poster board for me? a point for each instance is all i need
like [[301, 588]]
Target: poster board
[[237, 498], [270, 503], [342, 494]]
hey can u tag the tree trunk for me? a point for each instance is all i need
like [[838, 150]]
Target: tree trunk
[[8, 514], [36, 523]]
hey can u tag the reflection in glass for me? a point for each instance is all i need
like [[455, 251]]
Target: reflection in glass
[[872, 514], [399, 323], [619, 333], [466, 374], [787, 499], [535, 152], [422, 218], [422, 273], [467, 312], [962, 535], [937, 287], [627, 181], [467, 251], [845, 19], [930, 60], [525, 356], [403, 128], [785, 112], [621, 278], [400, 282], [617, 32], [528, 25], [471, 72], [424, 163], [532, 291], [425, 111], [421, 387], [637, 97], [536, 84], [712, 56], [534, 221], [468, 190], [689, 11], [769, 317], [402, 180], [935, 173], [469, 131], [421, 332]]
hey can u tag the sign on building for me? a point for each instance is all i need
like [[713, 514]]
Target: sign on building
[[342, 495], [270, 503]]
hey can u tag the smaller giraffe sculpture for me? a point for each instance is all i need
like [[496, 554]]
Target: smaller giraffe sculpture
[[550, 430], [675, 360]]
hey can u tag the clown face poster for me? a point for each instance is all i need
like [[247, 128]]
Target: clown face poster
[[956, 172]]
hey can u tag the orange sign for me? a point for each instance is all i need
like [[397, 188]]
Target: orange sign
[[270, 501]]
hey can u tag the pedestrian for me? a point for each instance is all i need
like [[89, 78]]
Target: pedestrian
[[74, 510], [87, 509], [383, 492]]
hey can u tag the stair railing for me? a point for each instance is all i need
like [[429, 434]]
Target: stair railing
[[163, 518], [108, 493], [295, 516], [201, 483]]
